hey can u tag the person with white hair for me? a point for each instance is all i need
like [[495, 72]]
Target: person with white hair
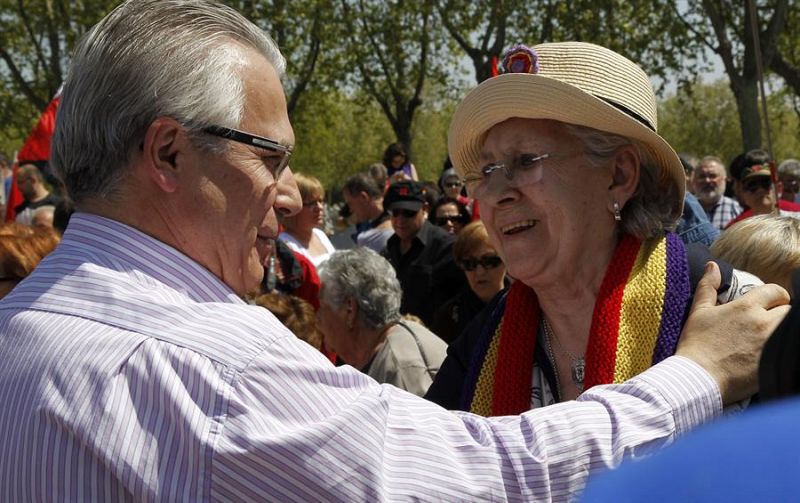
[[132, 369], [359, 316]]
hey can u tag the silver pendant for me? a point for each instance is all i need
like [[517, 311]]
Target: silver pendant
[[577, 371]]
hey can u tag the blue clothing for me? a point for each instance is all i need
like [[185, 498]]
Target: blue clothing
[[752, 457], [694, 226]]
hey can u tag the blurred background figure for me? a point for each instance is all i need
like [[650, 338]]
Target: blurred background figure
[[449, 214], [694, 226], [753, 187], [709, 182], [22, 247], [294, 312], [789, 176], [486, 275], [5, 183], [302, 231], [379, 173], [364, 197], [765, 245], [43, 216], [398, 165], [451, 185], [420, 252], [359, 317], [34, 191]]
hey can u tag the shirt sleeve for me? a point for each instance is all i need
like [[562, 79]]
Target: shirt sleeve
[[299, 429]]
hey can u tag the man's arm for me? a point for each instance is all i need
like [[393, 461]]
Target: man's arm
[[321, 433]]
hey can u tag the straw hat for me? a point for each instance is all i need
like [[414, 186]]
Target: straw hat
[[571, 82]]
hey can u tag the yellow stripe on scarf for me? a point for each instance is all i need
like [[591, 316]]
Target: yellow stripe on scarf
[[640, 317], [484, 389]]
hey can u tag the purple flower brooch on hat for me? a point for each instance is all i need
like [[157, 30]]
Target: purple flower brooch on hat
[[520, 59]]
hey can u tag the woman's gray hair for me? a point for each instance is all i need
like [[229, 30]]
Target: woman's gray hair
[[369, 279], [150, 59], [649, 212]]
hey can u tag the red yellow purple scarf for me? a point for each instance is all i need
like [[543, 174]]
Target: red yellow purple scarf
[[636, 323]]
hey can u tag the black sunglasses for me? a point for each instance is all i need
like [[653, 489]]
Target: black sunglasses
[[397, 212], [487, 262], [277, 166], [756, 183], [441, 221]]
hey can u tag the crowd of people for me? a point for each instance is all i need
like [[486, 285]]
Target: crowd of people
[[566, 254]]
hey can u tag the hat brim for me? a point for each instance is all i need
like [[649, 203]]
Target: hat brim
[[530, 96], [406, 205]]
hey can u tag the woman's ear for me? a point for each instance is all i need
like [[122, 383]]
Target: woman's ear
[[624, 176]]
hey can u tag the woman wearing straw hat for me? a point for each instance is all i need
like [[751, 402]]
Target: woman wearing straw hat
[[579, 194]]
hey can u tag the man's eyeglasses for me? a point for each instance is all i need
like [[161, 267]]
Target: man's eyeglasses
[[398, 212], [487, 262], [519, 171], [276, 165], [757, 182]]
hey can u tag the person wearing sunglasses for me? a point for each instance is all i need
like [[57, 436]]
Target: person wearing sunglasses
[[449, 214], [754, 188], [420, 252], [486, 276]]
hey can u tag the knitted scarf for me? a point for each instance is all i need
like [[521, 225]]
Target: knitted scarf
[[636, 323]]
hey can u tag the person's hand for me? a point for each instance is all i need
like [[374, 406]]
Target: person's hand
[[727, 340]]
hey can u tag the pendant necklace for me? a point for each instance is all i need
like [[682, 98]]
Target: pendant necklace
[[577, 364]]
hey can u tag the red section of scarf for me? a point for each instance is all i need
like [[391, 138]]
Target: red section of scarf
[[514, 371], [602, 359]]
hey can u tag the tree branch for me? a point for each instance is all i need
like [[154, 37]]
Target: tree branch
[[16, 75]]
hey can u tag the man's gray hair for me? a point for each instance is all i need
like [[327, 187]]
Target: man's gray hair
[[369, 279], [150, 59], [789, 167], [649, 212]]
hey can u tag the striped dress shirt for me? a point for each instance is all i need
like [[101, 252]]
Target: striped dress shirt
[[129, 372]]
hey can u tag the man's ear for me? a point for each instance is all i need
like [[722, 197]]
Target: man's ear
[[163, 143], [624, 176]]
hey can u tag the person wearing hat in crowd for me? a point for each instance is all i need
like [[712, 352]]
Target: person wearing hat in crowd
[[579, 195], [754, 188], [420, 252]]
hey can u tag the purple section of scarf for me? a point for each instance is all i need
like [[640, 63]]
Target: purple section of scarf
[[479, 353], [675, 299]]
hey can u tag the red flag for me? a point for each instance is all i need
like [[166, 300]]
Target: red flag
[[37, 146], [494, 66]]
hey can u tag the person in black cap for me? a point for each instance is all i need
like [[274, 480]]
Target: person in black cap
[[421, 253], [754, 187]]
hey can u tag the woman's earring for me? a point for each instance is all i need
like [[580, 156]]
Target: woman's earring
[[617, 212]]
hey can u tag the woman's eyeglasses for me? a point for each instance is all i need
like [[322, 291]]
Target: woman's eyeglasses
[[487, 262], [448, 219]]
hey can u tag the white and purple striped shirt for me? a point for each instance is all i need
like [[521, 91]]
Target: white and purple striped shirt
[[129, 372]]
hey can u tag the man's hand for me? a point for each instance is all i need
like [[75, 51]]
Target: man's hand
[[727, 340]]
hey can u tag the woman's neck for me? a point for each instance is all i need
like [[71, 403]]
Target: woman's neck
[[367, 343], [303, 236]]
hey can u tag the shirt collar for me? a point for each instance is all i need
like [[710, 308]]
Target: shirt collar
[[129, 248]]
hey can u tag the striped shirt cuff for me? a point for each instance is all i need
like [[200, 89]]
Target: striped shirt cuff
[[691, 391]]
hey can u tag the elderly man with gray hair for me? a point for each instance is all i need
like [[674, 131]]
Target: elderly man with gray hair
[[132, 370], [359, 316]]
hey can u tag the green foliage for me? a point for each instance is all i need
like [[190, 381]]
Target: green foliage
[[704, 121]]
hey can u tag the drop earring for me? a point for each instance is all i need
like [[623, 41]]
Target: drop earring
[[617, 212]]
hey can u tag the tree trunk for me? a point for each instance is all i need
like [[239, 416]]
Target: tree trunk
[[745, 90]]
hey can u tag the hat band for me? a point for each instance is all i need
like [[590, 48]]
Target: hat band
[[629, 112]]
